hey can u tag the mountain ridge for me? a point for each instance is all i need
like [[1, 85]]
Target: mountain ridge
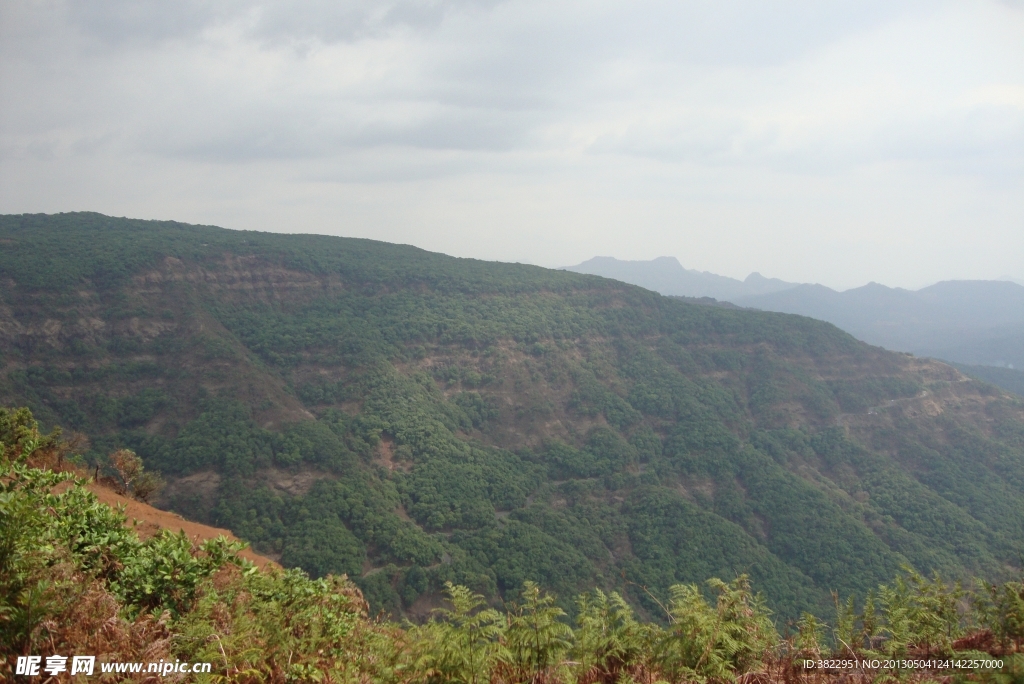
[[969, 322], [965, 321], [667, 276], [410, 418]]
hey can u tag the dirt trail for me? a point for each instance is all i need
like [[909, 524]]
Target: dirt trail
[[893, 402]]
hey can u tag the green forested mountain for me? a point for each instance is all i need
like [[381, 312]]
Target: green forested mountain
[[410, 418], [973, 324], [1010, 379]]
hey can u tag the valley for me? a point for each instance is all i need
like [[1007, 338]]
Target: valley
[[976, 324], [411, 419]]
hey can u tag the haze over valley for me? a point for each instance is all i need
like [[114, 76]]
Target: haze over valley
[[978, 324]]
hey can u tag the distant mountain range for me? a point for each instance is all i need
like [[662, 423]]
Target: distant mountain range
[[967, 321], [972, 322], [667, 276]]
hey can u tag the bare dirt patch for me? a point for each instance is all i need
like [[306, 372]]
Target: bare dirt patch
[[386, 454], [295, 483], [203, 483]]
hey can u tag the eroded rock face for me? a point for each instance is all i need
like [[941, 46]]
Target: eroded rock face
[[239, 278], [160, 293], [163, 308]]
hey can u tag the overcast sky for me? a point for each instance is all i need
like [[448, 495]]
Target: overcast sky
[[813, 140]]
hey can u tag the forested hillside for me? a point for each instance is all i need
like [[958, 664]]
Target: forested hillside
[[1009, 379], [973, 324], [412, 419], [78, 576]]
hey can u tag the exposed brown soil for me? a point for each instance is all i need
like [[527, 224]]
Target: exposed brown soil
[[386, 452], [201, 484], [295, 483], [149, 521]]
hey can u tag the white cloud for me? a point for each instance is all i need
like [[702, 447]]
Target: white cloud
[[832, 141]]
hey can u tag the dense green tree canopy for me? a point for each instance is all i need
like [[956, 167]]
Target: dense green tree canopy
[[412, 419]]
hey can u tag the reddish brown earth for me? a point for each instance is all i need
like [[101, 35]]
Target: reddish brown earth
[[149, 521], [146, 520]]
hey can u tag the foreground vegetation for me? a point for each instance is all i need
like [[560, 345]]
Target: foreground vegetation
[[413, 420], [74, 579]]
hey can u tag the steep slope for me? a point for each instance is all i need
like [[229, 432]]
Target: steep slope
[[76, 577], [411, 418], [967, 322], [148, 521], [1009, 379]]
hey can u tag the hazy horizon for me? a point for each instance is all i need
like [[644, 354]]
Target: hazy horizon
[[838, 143], [1003, 278]]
